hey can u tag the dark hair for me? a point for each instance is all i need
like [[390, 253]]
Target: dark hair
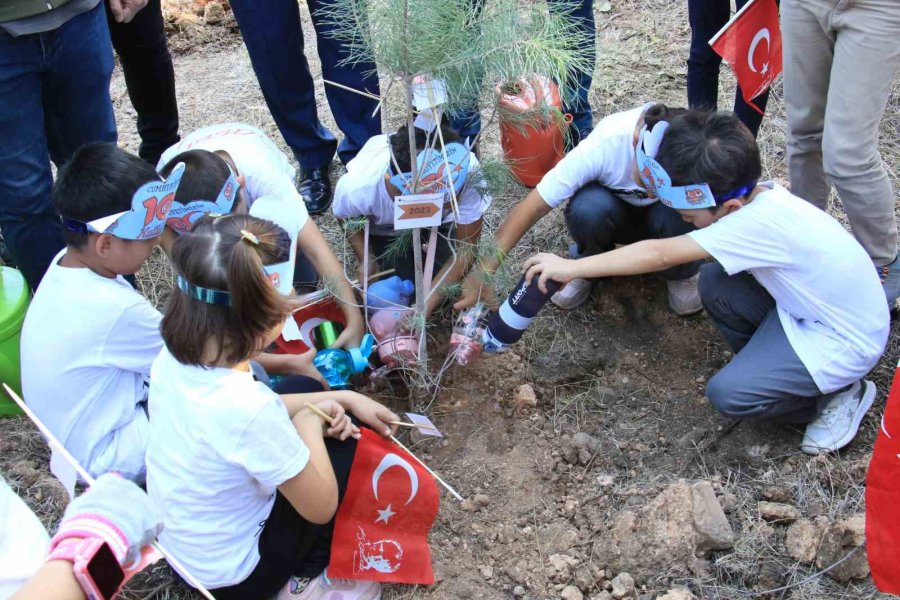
[[715, 148], [218, 256], [400, 143], [99, 180], [204, 175]]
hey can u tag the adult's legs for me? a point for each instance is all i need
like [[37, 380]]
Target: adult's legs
[[706, 18], [866, 57], [579, 106], [352, 112], [149, 76], [808, 51], [766, 378], [274, 39]]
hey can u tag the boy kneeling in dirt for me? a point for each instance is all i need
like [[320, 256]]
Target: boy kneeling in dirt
[[89, 338], [793, 293], [382, 171]]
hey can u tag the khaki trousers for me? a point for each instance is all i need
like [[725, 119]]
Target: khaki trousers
[[840, 58]]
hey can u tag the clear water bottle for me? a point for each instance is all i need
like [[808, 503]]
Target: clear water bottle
[[465, 340], [508, 324]]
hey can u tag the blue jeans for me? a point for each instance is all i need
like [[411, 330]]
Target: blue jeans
[[598, 220], [54, 98], [468, 123], [274, 39], [765, 379], [707, 17]]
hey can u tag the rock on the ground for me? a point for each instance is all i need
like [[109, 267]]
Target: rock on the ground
[[580, 448], [570, 592], [213, 13], [622, 586], [683, 523], [802, 540], [838, 540], [678, 593], [525, 397], [777, 511], [556, 537]]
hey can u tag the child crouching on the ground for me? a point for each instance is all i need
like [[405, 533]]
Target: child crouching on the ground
[[793, 293], [89, 338], [245, 478]]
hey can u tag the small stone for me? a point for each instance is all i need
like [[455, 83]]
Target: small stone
[[605, 480], [469, 505], [837, 542], [525, 397], [481, 500], [622, 585], [213, 13], [678, 593], [518, 591], [802, 540], [729, 502], [777, 511], [777, 493], [486, 571], [570, 592], [691, 438], [856, 525], [604, 595]]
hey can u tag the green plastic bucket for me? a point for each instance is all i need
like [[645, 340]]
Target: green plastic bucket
[[14, 299]]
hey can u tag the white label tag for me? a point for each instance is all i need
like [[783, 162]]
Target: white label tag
[[418, 210], [63, 471], [425, 426], [429, 93]]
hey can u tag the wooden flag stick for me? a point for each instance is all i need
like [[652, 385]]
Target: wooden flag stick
[[350, 89], [327, 418], [58, 447]]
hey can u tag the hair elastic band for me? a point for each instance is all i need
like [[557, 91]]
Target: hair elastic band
[[250, 237], [202, 294], [738, 193]]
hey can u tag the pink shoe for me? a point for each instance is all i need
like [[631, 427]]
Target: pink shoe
[[323, 588]]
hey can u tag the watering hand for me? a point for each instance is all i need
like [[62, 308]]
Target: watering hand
[[548, 267], [474, 290], [353, 332]]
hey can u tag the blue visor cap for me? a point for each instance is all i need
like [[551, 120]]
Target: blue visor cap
[[150, 207], [183, 216], [432, 167], [657, 180]]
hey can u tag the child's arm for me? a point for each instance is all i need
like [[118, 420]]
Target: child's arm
[[517, 223], [368, 411], [647, 256], [313, 244], [467, 237], [290, 364], [357, 242]]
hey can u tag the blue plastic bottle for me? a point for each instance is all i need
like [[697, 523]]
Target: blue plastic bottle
[[508, 324], [337, 365], [390, 293]]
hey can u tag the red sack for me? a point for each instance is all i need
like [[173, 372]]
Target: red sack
[[532, 128], [307, 318], [883, 498], [751, 43], [381, 528]]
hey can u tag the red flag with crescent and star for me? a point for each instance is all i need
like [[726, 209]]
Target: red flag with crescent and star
[[381, 528], [751, 43], [883, 498], [298, 340]]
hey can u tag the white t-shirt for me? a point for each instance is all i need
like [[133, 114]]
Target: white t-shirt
[[362, 192], [266, 169], [829, 299], [606, 156], [23, 542], [87, 345], [220, 444]]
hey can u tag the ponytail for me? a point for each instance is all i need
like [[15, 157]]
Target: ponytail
[[226, 254]]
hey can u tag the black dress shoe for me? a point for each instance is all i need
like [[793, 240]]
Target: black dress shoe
[[315, 187]]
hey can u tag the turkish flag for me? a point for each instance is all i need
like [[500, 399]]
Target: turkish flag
[[307, 318], [883, 498], [381, 528], [751, 43]]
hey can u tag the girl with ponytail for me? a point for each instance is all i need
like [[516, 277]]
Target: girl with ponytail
[[246, 478]]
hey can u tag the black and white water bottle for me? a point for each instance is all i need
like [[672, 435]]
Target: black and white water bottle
[[508, 324]]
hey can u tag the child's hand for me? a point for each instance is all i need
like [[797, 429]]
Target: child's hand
[[475, 290], [353, 332], [341, 426], [372, 413], [302, 364], [549, 267]]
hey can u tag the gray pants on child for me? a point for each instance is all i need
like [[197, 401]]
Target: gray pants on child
[[766, 378]]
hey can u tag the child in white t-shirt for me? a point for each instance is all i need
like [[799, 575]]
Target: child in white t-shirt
[[245, 478], [371, 183], [605, 207], [793, 293], [89, 338], [264, 178]]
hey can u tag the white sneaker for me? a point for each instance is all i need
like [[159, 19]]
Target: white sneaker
[[573, 294], [840, 414], [684, 296], [322, 588]]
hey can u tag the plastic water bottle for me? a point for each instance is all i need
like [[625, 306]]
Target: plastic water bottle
[[508, 324], [396, 344], [337, 365], [390, 292], [467, 333]]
